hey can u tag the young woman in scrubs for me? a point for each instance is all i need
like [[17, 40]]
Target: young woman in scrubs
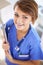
[[23, 40]]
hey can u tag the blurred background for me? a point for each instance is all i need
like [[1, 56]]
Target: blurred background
[[6, 13]]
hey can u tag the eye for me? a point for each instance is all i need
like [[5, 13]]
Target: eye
[[16, 15], [25, 17]]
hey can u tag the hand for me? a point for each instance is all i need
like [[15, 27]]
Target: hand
[[5, 45], [6, 48]]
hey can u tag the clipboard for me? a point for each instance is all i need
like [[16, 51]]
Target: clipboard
[[2, 27]]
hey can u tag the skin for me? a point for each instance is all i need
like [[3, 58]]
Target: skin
[[21, 21]]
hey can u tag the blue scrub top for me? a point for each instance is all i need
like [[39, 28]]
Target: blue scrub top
[[28, 48]]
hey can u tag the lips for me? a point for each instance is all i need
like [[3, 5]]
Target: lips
[[20, 25]]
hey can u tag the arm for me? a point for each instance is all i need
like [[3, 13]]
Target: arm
[[31, 62], [9, 57]]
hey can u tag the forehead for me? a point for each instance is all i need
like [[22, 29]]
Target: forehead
[[19, 11]]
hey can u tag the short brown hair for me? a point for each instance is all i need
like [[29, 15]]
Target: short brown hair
[[28, 6]]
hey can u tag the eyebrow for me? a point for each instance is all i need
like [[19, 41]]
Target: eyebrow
[[22, 15]]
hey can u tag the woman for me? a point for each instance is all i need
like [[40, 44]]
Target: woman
[[23, 40]]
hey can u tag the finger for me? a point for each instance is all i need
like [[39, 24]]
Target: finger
[[5, 46], [4, 41], [6, 51]]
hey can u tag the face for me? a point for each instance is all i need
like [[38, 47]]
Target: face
[[21, 19]]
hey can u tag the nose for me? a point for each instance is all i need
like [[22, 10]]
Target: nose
[[20, 20]]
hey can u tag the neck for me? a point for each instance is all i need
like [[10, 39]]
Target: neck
[[21, 34]]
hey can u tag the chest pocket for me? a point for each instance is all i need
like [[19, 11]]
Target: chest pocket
[[24, 52], [24, 49]]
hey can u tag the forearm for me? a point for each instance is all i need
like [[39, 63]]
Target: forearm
[[26, 62], [19, 62], [22, 62]]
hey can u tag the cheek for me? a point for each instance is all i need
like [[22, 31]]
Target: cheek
[[27, 23], [15, 20]]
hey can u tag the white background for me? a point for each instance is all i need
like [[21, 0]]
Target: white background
[[6, 14]]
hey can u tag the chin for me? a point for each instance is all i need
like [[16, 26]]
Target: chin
[[19, 29]]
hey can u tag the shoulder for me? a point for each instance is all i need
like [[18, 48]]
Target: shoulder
[[34, 37], [9, 24]]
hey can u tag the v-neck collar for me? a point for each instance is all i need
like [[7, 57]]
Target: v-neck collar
[[20, 41]]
